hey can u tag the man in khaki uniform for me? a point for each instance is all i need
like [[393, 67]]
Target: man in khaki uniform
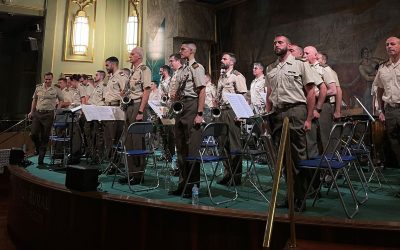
[[112, 97], [168, 135], [139, 91], [42, 113], [387, 81], [188, 88], [257, 87], [85, 87], [323, 110], [94, 130], [230, 81], [335, 100], [290, 93]]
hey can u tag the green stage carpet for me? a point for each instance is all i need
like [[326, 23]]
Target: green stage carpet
[[382, 205]]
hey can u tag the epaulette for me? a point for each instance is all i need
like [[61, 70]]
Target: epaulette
[[323, 65], [195, 65], [236, 73], [57, 85], [384, 62], [301, 59], [105, 84], [121, 73], [38, 85], [143, 67]]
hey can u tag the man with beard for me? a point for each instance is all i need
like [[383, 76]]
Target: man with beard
[[113, 92], [230, 81], [189, 88], [290, 93]]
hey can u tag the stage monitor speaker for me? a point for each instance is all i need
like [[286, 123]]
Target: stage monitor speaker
[[17, 156], [82, 178]]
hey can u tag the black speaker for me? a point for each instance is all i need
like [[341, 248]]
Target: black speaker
[[17, 156], [82, 178]]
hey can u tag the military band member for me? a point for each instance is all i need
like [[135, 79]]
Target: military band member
[[168, 134], [230, 81], [387, 82], [335, 100], [257, 87], [211, 91], [296, 51], [85, 88], [290, 93], [165, 81], [112, 97], [188, 88], [94, 130], [44, 102], [323, 110], [155, 92], [138, 92]]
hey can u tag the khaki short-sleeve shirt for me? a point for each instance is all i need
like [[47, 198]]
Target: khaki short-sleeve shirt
[[230, 82], [115, 85], [47, 97], [388, 78], [287, 80], [140, 80]]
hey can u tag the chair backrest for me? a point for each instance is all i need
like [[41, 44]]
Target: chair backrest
[[360, 131], [219, 132], [140, 128], [334, 142], [347, 137], [215, 129]]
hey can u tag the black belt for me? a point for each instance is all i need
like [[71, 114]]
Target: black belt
[[44, 111], [131, 102], [287, 106], [189, 98]]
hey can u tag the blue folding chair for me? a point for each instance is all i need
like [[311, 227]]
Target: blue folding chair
[[143, 129], [330, 163], [211, 153]]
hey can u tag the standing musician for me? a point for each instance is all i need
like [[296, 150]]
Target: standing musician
[[167, 131], [188, 88], [112, 97], [335, 100], [94, 129], [230, 81], [290, 93], [257, 87], [388, 94], [138, 91], [44, 102]]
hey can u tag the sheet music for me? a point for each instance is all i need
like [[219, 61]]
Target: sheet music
[[103, 113], [239, 105]]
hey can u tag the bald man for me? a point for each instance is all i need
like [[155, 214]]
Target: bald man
[[387, 82], [323, 111]]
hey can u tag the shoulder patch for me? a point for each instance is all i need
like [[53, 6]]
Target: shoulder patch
[[301, 59], [143, 67], [235, 72], [271, 65], [195, 65]]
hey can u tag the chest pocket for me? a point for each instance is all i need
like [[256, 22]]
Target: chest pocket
[[293, 79], [115, 85]]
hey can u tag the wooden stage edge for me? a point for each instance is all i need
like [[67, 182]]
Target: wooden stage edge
[[47, 215]]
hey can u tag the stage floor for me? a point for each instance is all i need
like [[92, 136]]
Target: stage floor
[[382, 208]]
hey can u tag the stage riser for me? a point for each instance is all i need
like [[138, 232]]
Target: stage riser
[[42, 218]]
